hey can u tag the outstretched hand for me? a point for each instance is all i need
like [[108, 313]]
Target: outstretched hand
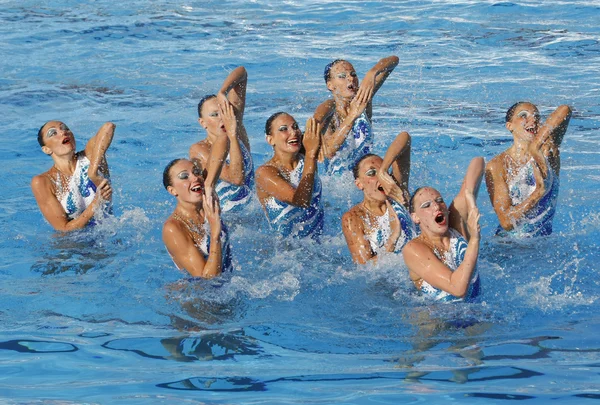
[[312, 137], [391, 188], [104, 190], [229, 117], [362, 99], [212, 211]]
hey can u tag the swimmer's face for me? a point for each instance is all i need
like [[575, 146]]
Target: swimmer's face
[[285, 135], [367, 180], [211, 117], [58, 138], [187, 181], [430, 211], [343, 80], [525, 121]]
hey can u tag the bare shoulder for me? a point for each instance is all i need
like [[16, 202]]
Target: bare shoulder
[[324, 110], [496, 163], [415, 247], [172, 227], [200, 150], [42, 182], [267, 170], [352, 219]]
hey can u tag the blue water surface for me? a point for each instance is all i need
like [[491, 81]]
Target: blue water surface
[[103, 316]]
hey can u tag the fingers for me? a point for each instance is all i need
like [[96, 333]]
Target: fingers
[[104, 190]]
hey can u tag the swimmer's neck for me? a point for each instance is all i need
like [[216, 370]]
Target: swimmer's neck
[[285, 160], [65, 164], [519, 151], [374, 207], [190, 210], [437, 241]]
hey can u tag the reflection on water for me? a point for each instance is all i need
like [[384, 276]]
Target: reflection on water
[[208, 346]]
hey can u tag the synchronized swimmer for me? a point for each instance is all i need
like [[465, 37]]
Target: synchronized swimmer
[[439, 243], [76, 191]]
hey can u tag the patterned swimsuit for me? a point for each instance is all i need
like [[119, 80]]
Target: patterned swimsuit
[[453, 258], [297, 222]]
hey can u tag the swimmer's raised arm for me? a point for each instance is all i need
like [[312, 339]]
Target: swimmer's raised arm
[[398, 157], [466, 197], [377, 75], [95, 150], [237, 81], [555, 127]]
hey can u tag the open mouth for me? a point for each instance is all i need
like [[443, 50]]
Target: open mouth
[[197, 189], [293, 142], [66, 140], [381, 189], [531, 130], [440, 218]]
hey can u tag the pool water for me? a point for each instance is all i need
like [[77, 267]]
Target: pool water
[[103, 316]]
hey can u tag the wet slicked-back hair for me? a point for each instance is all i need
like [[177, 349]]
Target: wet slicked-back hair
[[328, 67], [202, 101], [41, 135], [166, 172], [355, 168], [411, 203], [270, 121], [511, 111]]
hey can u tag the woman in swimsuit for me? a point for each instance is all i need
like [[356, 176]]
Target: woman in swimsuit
[[288, 185], [194, 234], [442, 260], [381, 222], [347, 116], [73, 192], [234, 187], [523, 180]]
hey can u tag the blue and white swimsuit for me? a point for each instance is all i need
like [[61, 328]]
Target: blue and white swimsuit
[[297, 222], [80, 192], [357, 144], [537, 221], [453, 258], [381, 230], [201, 237], [234, 198]]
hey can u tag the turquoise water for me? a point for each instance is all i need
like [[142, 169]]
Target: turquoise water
[[104, 317]]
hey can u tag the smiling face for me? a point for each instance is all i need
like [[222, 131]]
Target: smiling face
[[367, 180], [57, 138], [187, 181], [525, 121], [343, 80], [285, 134], [430, 211], [210, 118]]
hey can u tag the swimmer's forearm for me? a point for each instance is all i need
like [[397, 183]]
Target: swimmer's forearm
[[461, 278], [213, 265], [237, 76], [334, 142], [303, 194], [216, 159], [235, 169], [102, 142]]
